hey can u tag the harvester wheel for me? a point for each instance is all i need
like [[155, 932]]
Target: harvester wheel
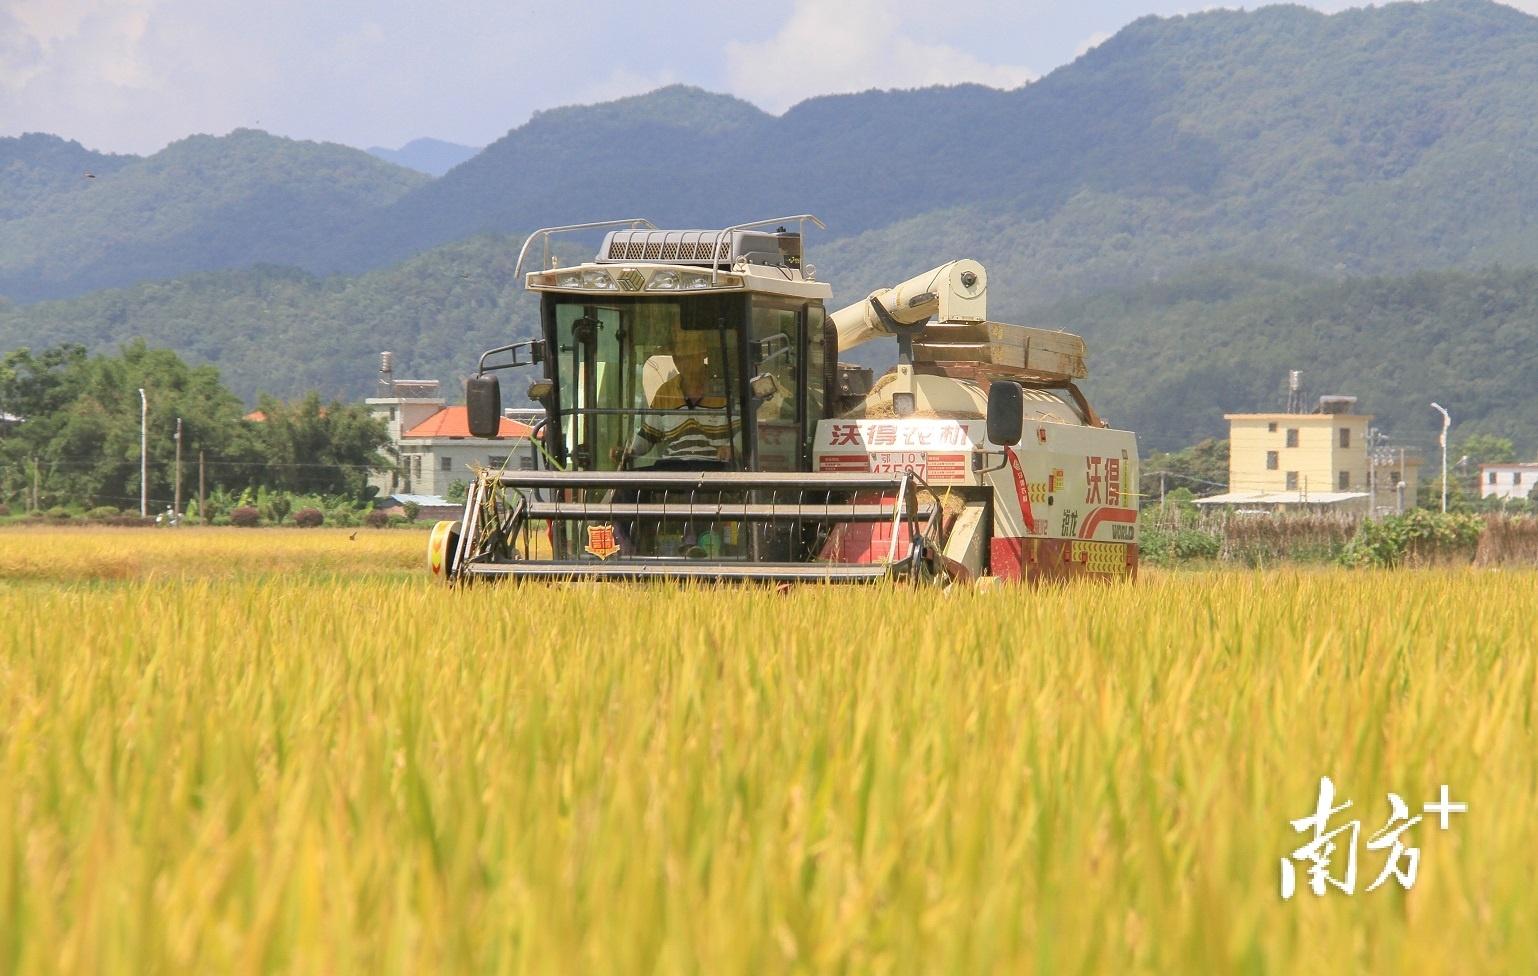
[[441, 546]]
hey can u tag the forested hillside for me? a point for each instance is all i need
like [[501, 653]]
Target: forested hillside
[[1169, 359], [1378, 140], [1387, 139], [1374, 165], [286, 331], [36, 167], [200, 203], [1166, 359]]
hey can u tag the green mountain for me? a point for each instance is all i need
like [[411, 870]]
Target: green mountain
[[1375, 163], [1169, 359], [1375, 140], [200, 203], [36, 167], [285, 331], [431, 156], [1379, 140]]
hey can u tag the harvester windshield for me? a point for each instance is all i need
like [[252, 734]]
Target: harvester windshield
[[648, 382]]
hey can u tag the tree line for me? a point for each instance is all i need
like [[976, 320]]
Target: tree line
[[70, 432]]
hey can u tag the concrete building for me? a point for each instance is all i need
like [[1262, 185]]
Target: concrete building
[[430, 442], [1508, 481], [1313, 460]]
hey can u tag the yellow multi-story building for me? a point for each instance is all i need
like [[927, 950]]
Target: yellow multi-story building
[[1313, 459], [1302, 452]]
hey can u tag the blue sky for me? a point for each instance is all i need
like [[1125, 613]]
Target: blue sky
[[132, 75]]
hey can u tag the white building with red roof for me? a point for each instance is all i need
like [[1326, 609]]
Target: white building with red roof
[[430, 442]]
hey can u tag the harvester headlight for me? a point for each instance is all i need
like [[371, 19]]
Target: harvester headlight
[[695, 280], [664, 281], [569, 280], [598, 280]]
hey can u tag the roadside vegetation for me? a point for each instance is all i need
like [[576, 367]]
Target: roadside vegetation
[[70, 429]]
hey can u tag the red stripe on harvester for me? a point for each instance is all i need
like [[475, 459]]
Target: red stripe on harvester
[[1087, 530], [1022, 491]]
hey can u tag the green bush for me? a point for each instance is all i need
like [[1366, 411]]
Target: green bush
[[1417, 536], [377, 519], [1174, 537], [277, 507], [102, 512], [411, 510], [58, 512], [343, 518]]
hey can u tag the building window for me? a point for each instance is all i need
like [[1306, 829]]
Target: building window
[[1271, 427], [1273, 459], [526, 462], [1393, 477], [1344, 481], [1345, 437], [1292, 437], [497, 461], [446, 463], [1292, 481], [1516, 477], [1492, 477]]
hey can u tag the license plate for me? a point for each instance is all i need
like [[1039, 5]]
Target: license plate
[[897, 462]]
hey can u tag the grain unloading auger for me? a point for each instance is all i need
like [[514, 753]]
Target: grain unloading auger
[[698, 425]]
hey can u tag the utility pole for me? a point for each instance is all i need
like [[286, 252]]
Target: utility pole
[[37, 471], [144, 462], [1446, 423], [1401, 481], [202, 485], [178, 504], [1372, 471]]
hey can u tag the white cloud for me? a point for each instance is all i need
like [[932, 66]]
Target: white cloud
[[852, 46], [76, 58], [75, 44]]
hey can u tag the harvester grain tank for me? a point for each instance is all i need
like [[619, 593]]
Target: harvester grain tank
[[700, 426]]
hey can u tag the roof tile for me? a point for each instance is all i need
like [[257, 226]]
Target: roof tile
[[455, 422]]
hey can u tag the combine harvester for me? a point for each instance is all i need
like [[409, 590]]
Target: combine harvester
[[699, 426]]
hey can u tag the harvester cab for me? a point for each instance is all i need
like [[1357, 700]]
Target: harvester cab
[[698, 423]]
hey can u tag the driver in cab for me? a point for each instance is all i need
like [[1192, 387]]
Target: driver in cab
[[696, 427]]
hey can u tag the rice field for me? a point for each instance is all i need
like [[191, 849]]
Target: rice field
[[286, 751]]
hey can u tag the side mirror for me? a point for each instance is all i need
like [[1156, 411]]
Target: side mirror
[[483, 402], [1006, 413]]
